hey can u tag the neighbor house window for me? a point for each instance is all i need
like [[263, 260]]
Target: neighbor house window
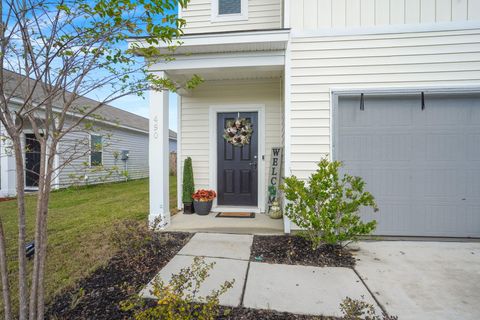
[[96, 148], [226, 10]]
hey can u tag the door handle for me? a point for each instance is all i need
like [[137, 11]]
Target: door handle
[[254, 163]]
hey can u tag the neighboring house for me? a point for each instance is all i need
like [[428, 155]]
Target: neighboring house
[[392, 88], [172, 141], [115, 133]]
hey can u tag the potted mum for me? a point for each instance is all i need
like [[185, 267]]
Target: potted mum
[[202, 201]]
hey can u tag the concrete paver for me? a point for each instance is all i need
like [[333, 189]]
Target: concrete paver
[[302, 289], [223, 270], [218, 245], [423, 280]]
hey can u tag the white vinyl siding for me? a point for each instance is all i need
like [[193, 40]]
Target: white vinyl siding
[[262, 14], [195, 118], [322, 14], [114, 140], [321, 64]]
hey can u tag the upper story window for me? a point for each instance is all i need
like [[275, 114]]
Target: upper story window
[[229, 10]]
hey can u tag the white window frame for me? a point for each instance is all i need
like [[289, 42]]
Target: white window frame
[[243, 15], [90, 153]]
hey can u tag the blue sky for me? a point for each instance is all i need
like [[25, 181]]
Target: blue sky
[[140, 105]]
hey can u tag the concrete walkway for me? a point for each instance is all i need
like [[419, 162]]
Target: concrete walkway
[[423, 280], [413, 280], [295, 289]]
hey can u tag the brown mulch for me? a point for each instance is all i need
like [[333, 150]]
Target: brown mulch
[[287, 249], [99, 295], [6, 199], [254, 314]]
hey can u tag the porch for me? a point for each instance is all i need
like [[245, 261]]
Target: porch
[[241, 81], [193, 223]]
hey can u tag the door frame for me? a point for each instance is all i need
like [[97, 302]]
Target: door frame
[[214, 110]]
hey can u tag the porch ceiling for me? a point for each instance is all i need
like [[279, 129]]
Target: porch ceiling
[[239, 73]]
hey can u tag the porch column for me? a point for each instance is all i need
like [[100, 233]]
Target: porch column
[[7, 165], [159, 158]]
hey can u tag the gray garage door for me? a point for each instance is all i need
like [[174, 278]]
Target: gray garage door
[[423, 166]]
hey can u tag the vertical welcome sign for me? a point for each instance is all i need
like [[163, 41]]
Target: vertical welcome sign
[[274, 176]]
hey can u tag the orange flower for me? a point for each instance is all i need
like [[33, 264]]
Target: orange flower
[[204, 195]]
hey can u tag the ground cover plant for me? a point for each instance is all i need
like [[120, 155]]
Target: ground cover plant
[[83, 219], [326, 207]]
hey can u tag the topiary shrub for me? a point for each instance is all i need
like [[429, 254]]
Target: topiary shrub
[[188, 183], [327, 206]]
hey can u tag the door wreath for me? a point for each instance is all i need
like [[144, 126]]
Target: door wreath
[[238, 131]]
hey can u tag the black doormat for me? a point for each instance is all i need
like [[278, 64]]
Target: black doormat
[[247, 215]]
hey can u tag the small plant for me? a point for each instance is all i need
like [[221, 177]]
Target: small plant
[[179, 298], [133, 240], [203, 195], [361, 310], [327, 206], [188, 183]]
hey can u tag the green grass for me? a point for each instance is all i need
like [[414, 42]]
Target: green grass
[[79, 225]]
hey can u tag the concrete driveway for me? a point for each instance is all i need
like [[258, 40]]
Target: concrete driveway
[[423, 280]]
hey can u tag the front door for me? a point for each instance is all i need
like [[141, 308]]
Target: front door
[[237, 174], [32, 160]]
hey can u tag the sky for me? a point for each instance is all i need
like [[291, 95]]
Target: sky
[[140, 105]]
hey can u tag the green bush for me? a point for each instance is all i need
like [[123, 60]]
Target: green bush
[[188, 183], [327, 206], [360, 310], [179, 298]]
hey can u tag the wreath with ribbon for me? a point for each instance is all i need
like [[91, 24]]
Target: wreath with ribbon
[[238, 132]]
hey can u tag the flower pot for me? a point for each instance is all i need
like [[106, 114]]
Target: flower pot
[[188, 208], [202, 207]]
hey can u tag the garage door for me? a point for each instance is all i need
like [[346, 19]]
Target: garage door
[[423, 166]]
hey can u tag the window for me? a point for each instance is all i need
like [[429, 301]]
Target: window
[[96, 148], [229, 6], [229, 10]]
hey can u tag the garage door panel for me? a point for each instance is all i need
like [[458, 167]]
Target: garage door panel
[[423, 167], [440, 182], [446, 147]]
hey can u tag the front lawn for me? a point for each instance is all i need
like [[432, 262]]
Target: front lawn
[[81, 221]]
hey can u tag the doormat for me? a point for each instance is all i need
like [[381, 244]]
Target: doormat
[[235, 215]]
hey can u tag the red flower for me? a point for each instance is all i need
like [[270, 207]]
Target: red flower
[[204, 195]]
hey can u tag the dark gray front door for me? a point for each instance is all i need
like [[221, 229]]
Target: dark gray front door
[[237, 166]]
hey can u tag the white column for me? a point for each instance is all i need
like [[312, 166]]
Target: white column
[[7, 165], [159, 158]]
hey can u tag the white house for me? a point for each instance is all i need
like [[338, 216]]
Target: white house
[[123, 137], [390, 87]]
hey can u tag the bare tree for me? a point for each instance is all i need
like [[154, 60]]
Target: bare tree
[[52, 53]]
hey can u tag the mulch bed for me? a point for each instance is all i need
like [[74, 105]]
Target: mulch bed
[[99, 295], [117, 281], [254, 314], [6, 199], [287, 249]]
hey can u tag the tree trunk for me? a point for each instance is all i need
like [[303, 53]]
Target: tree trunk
[[38, 233], [43, 248], [22, 258], [7, 304]]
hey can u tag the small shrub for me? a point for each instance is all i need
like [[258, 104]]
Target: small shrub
[[188, 182], [178, 299], [133, 240], [361, 310], [327, 206]]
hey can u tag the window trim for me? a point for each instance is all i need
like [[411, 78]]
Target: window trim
[[243, 15], [90, 153]]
